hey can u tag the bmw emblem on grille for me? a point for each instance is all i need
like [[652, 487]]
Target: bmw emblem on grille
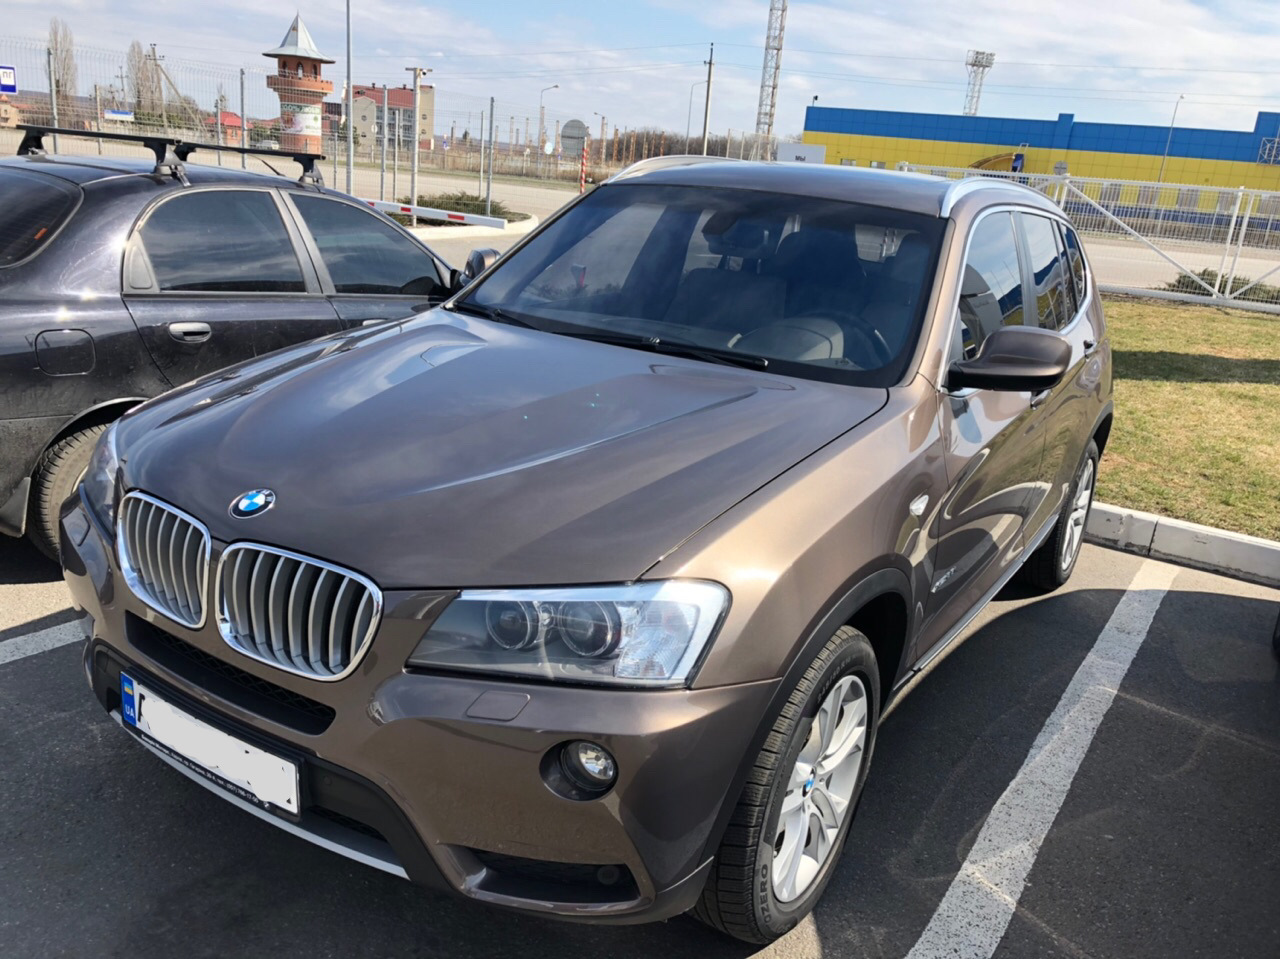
[[252, 503]]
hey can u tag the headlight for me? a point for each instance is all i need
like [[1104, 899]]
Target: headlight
[[100, 478], [647, 634]]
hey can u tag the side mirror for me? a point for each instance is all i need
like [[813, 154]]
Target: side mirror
[[477, 262], [1014, 358]]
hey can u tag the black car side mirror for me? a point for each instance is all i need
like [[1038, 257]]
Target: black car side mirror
[[477, 262], [1014, 358]]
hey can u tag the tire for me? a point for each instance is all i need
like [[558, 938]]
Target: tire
[[1052, 564], [741, 897], [58, 473]]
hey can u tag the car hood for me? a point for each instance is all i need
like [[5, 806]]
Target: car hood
[[453, 452]]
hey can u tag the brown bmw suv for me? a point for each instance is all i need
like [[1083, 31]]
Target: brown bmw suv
[[583, 594]]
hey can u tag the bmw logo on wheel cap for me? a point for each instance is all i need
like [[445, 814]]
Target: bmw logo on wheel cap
[[252, 503]]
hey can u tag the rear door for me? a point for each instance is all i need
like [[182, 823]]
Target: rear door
[[993, 446], [370, 268], [214, 276], [1066, 411]]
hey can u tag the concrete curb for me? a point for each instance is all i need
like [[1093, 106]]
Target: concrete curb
[[428, 233], [1249, 558]]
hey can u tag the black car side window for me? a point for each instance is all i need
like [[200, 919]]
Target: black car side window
[[221, 241], [991, 287], [1052, 311], [364, 253]]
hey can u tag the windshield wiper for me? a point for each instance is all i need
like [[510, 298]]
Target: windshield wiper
[[497, 314], [655, 344]]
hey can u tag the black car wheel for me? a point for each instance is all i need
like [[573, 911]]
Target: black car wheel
[[789, 826], [57, 475]]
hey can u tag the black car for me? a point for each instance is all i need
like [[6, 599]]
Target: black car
[[121, 278]]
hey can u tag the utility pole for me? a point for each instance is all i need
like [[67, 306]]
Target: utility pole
[[706, 110], [511, 138], [480, 185], [602, 140], [97, 122], [53, 94], [493, 155], [417, 132], [164, 109], [382, 177], [244, 125]]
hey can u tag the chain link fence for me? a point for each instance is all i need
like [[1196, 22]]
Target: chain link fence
[[1171, 240], [144, 90]]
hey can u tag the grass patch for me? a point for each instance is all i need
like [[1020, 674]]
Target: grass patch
[[1197, 426]]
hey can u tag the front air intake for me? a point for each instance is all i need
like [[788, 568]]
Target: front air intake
[[164, 555], [295, 613]]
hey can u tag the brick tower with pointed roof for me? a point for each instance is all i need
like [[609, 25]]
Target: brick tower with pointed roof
[[301, 88]]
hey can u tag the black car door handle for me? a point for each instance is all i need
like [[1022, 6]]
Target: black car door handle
[[190, 332], [1090, 346]]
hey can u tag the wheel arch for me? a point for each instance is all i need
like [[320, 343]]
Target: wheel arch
[[99, 415], [879, 600], [1102, 428]]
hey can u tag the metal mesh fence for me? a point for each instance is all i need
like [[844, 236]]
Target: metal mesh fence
[[270, 105], [1183, 241]]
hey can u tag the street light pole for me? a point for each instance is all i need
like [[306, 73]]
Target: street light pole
[[1169, 138], [688, 120], [542, 122], [351, 101], [706, 110], [417, 132]]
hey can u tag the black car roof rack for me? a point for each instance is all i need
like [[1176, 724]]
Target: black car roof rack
[[170, 153]]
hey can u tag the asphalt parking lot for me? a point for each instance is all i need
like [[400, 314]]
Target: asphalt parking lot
[[1166, 843]]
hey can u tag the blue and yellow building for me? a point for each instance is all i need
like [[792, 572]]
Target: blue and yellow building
[[1115, 151]]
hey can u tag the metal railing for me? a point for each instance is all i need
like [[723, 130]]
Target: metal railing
[[1169, 240]]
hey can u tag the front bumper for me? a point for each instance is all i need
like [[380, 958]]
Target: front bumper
[[411, 773]]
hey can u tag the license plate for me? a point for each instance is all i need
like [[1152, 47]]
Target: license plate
[[247, 772]]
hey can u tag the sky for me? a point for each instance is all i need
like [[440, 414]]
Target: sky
[[638, 63]]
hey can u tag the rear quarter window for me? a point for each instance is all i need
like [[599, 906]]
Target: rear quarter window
[[32, 209]]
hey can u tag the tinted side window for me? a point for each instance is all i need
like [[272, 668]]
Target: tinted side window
[[364, 253], [1072, 300], [991, 288], [33, 209], [221, 241], [1075, 259], [1046, 270]]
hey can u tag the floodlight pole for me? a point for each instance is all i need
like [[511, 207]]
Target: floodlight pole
[[417, 132]]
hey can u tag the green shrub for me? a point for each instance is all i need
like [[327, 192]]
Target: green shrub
[[1262, 292]]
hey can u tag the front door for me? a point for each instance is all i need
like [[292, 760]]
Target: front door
[[993, 442], [371, 269], [213, 277]]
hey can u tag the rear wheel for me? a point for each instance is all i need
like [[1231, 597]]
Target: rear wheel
[[1052, 564], [790, 823], [57, 475]]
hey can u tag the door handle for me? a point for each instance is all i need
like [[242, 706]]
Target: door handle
[[1090, 346], [190, 332], [373, 322], [1038, 398]]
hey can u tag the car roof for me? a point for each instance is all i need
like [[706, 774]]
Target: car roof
[[89, 169], [913, 192]]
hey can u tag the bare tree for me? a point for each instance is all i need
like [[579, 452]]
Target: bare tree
[[143, 80], [62, 46]]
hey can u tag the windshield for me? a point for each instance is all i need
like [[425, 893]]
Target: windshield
[[820, 288]]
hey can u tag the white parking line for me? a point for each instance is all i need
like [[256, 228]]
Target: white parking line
[[975, 912], [40, 642]]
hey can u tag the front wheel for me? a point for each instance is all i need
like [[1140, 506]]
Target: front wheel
[[790, 823], [57, 475], [1052, 564]]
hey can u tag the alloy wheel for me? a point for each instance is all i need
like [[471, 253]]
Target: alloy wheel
[[820, 789], [1078, 515]]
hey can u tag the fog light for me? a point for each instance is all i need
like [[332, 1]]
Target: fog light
[[589, 766]]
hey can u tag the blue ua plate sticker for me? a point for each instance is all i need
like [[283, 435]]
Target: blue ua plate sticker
[[128, 701]]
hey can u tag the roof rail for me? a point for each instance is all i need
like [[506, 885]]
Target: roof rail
[[170, 152], [963, 187], [666, 162]]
